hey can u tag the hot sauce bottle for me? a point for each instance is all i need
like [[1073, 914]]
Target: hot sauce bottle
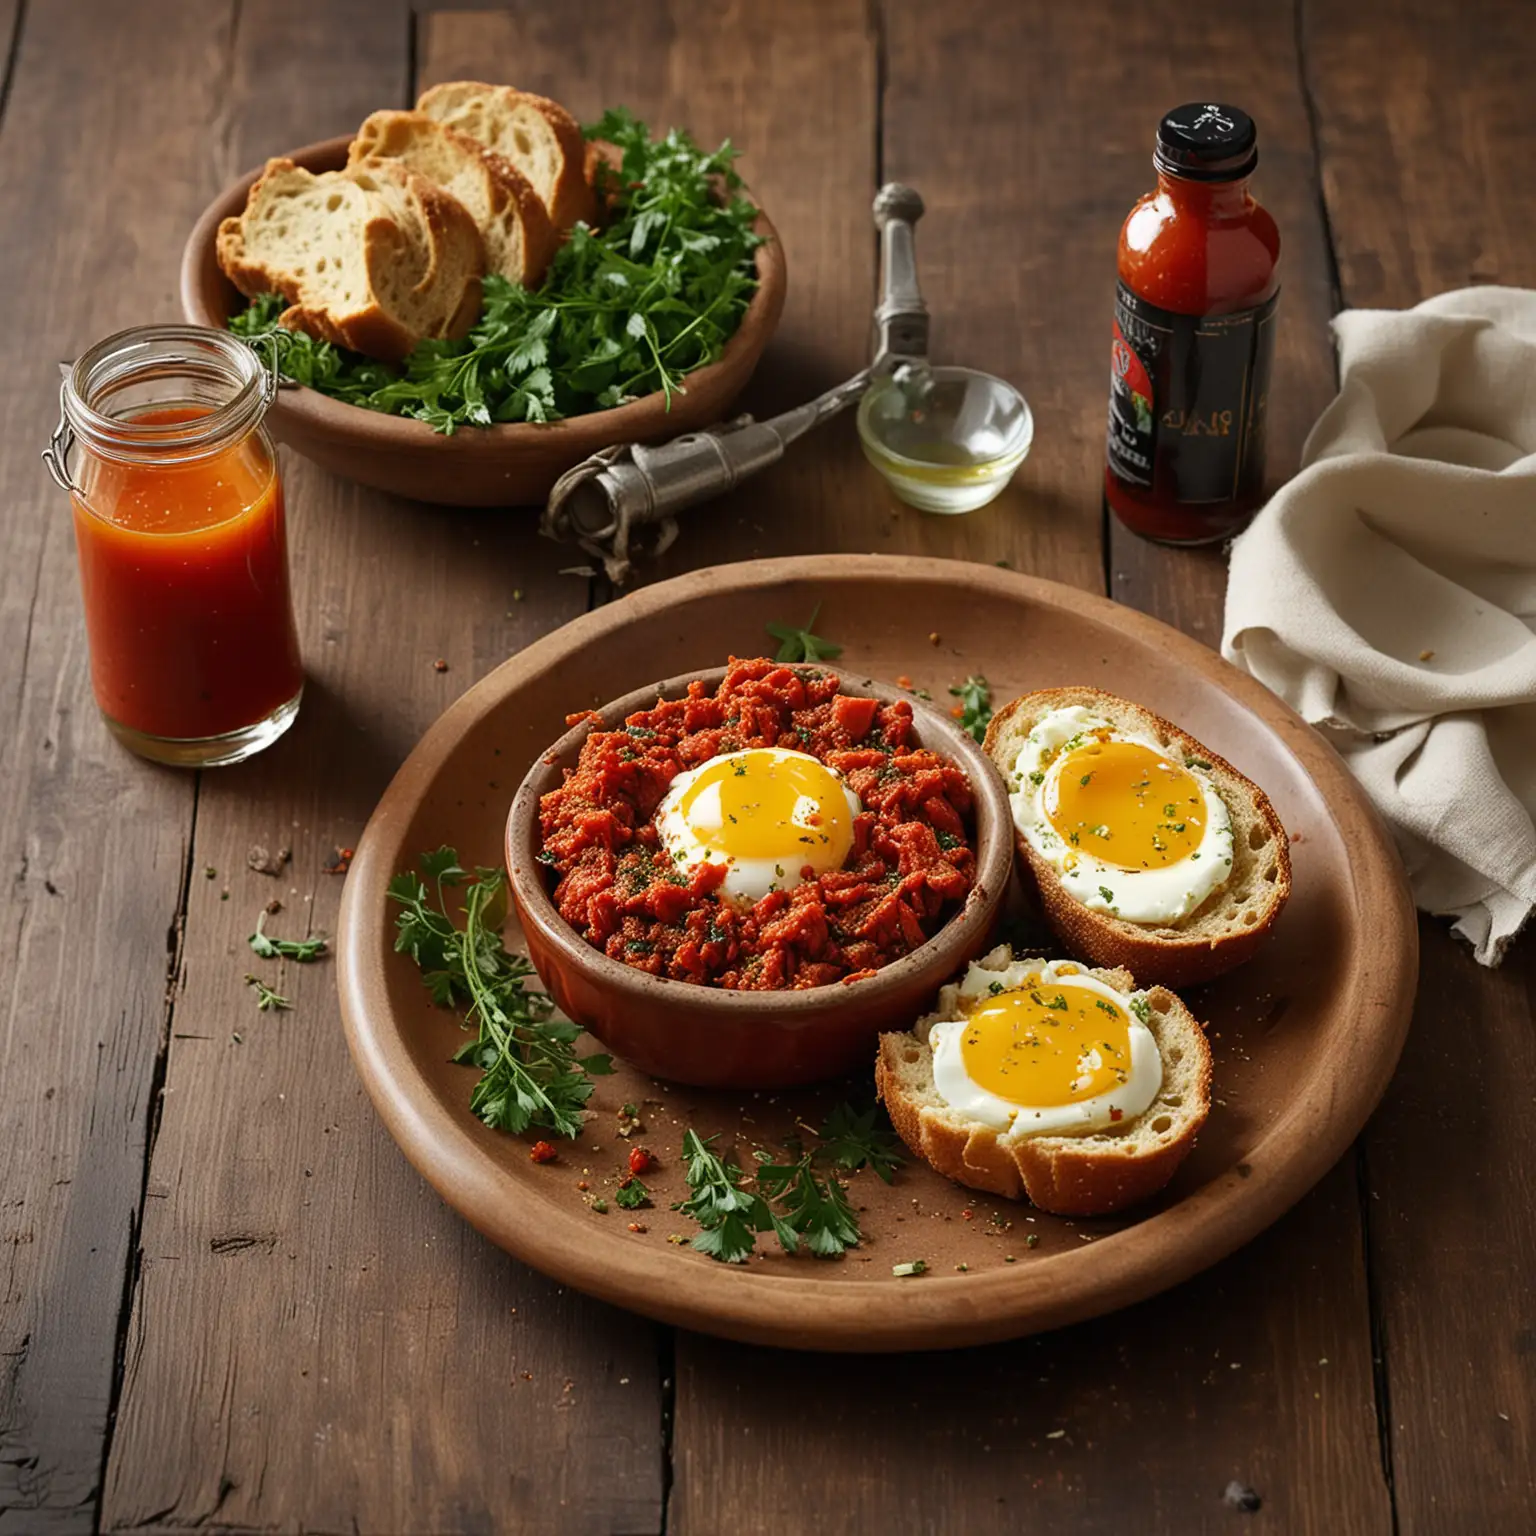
[[1194, 336]]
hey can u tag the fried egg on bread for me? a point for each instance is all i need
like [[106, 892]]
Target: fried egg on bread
[[1049, 1080], [1147, 849]]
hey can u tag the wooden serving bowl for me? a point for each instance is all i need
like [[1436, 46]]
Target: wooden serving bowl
[[715, 1038], [478, 466]]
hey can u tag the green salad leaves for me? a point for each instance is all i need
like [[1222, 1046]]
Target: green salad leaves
[[624, 311]]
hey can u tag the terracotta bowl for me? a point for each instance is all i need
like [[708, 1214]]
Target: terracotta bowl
[[477, 466], [714, 1038]]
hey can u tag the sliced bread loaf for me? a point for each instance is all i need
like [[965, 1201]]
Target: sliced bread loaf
[[538, 136], [519, 239], [1228, 925], [372, 258], [1090, 1174]]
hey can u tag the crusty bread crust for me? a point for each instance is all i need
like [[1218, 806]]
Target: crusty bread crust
[[419, 250], [485, 112], [519, 239], [1088, 1175], [1201, 946]]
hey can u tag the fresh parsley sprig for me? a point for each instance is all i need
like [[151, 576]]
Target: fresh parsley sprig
[[624, 311], [730, 1217], [530, 1074], [303, 950], [975, 708], [817, 1210], [852, 1139], [800, 644]]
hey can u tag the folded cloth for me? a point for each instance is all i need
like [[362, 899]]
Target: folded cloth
[[1388, 593]]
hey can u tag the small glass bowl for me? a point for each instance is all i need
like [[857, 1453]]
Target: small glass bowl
[[945, 439]]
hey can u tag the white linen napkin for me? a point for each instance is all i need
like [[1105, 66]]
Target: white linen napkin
[[1388, 593]]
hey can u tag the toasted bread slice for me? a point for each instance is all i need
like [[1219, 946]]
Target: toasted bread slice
[[538, 136], [1091, 1174], [370, 258], [519, 239], [1228, 926]]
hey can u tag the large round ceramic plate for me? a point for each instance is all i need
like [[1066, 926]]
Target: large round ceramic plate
[[1304, 1038]]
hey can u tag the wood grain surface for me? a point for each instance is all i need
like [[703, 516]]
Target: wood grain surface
[[242, 1275], [1428, 167]]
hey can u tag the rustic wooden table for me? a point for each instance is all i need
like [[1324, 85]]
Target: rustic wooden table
[[227, 1301]]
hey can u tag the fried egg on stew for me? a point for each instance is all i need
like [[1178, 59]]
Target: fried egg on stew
[[772, 817], [1135, 832]]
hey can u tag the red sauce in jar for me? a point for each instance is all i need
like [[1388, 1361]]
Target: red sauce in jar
[[1194, 336], [911, 861], [184, 573]]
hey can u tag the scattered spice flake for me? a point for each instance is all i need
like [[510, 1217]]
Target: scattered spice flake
[[933, 639], [265, 863], [600, 1206], [1032, 1240], [543, 1152], [439, 665], [638, 1226], [911, 1267], [963, 1269], [338, 862], [582, 1185], [904, 681], [210, 873], [1426, 655], [1056, 1434]]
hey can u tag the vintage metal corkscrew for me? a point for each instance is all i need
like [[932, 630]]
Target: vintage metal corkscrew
[[623, 501]]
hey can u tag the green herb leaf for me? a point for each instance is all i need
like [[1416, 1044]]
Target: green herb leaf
[[852, 1138], [268, 948], [975, 695], [819, 1212], [802, 644], [730, 1216], [530, 1074], [267, 1000], [631, 1195]]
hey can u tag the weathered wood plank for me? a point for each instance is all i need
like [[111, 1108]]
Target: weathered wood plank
[[95, 843], [1427, 164], [1261, 1370], [317, 1342]]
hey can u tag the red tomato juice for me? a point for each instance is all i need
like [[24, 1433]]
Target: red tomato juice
[[184, 572]]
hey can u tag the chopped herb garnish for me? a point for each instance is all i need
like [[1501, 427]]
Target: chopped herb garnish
[[631, 1195], [730, 1216], [1106, 893], [1141, 1008], [302, 950], [975, 695], [267, 1000], [911, 1267]]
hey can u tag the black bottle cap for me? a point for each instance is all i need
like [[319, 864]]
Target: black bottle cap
[[1206, 142]]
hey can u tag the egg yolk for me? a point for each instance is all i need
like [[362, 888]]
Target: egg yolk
[[1126, 804], [1048, 1044], [770, 805]]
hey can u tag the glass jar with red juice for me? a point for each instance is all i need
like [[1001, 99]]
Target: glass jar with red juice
[[182, 542], [1194, 336]]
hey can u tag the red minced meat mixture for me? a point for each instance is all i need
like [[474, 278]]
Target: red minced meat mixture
[[911, 863]]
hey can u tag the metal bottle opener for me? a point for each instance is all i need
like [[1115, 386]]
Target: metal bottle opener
[[623, 501]]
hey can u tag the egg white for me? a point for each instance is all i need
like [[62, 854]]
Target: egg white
[[1131, 1098], [746, 880], [1166, 895]]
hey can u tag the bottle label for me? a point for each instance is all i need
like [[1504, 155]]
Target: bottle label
[[1187, 399]]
